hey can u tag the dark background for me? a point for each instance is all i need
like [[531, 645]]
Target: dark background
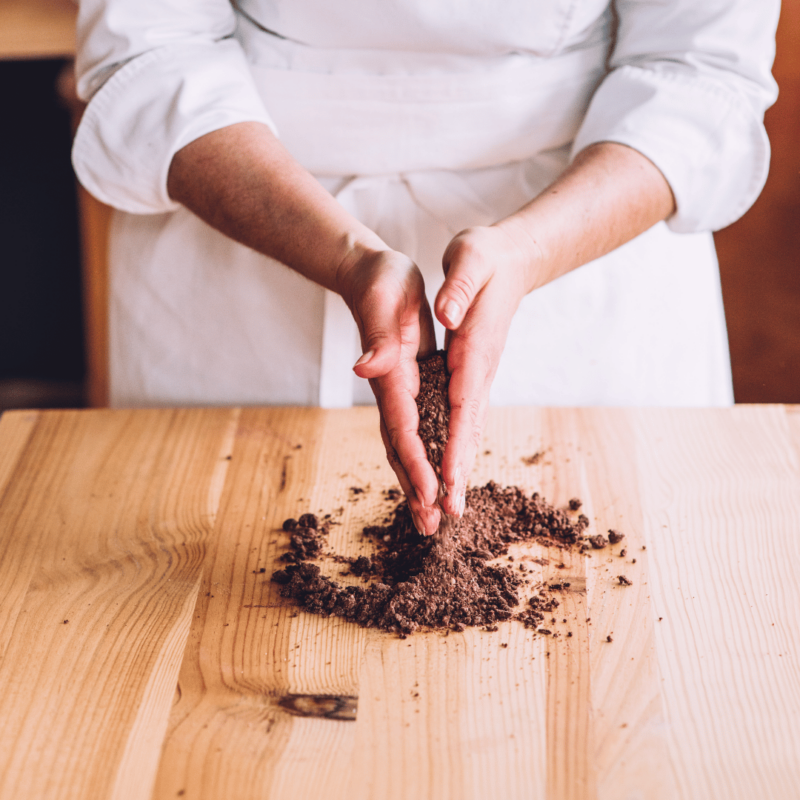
[[41, 334], [42, 359]]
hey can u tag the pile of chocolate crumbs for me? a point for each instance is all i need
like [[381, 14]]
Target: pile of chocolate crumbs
[[434, 409], [415, 583]]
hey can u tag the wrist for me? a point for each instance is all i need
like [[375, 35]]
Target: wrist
[[525, 251], [356, 249]]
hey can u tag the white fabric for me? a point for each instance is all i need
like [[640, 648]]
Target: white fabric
[[422, 117]]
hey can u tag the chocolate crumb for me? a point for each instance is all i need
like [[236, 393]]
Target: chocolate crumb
[[66, 621], [529, 461], [608, 638], [598, 542], [575, 504], [633, 561], [615, 537], [623, 553], [308, 521], [624, 581]]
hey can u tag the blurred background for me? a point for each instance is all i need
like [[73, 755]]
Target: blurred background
[[52, 321]]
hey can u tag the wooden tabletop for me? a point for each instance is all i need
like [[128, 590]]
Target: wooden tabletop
[[144, 652]]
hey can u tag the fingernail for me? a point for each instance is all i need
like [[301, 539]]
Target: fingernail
[[418, 525], [452, 311], [364, 358]]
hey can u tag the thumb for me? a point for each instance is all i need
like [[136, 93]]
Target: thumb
[[380, 339], [467, 271]]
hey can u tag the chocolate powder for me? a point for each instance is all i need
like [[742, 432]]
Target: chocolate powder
[[447, 581], [412, 585]]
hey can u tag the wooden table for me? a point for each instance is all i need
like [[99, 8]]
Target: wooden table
[[145, 652]]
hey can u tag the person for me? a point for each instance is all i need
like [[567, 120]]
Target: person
[[289, 173]]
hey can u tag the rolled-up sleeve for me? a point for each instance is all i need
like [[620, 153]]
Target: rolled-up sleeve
[[157, 74], [688, 86]]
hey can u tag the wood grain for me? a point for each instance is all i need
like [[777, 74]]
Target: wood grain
[[721, 508], [183, 673], [103, 545]]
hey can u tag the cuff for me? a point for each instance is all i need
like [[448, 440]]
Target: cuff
[[152, 107], [704, 137]]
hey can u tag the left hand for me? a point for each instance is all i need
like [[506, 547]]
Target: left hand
[[486, 278]]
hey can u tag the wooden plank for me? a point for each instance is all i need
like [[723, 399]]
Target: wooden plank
[[139, 513], [37, 28], [227, 735], [721, 512], [16, 428], [104, 526]]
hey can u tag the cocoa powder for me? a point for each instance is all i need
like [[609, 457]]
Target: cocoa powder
[[448, 581], [412, 584]]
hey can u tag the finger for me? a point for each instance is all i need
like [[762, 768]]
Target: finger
[[401, 418], [380, 319], [467, 272], [472, 370], [426, 520]]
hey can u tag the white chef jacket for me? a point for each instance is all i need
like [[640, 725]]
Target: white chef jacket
[[422, 117]]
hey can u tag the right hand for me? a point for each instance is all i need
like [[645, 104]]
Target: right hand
[[385, 292]]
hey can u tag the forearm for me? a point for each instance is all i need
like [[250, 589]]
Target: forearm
[[608, 196], [242, 181]]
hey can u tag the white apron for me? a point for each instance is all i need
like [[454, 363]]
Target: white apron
[[440, 144]]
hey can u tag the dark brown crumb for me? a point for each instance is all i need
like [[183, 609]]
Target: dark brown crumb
[[644, 547], [575, 504], [633, 561], [624, 581], [598, 542], [608, 638], [66, 621], [308, 521], [623, 553], [569, 633], [615, 537], [529, 461]]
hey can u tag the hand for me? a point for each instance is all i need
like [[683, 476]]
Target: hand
[[486, 278], [386, 294]]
